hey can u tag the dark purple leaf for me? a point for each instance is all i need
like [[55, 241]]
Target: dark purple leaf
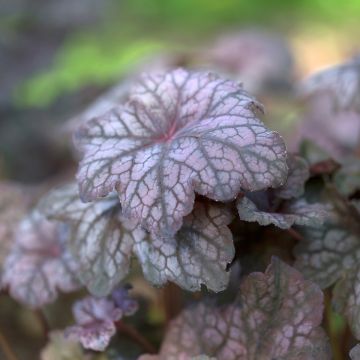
[[180, 133]]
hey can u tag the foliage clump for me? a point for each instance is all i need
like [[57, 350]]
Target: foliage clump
[[180, 177]]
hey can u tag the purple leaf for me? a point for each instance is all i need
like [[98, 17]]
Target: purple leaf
[[260, 60], [180, 133], [198, 254], [95, 320], [278, 206], [340, 82], [39, 263], [330, 254], [337, 133], [103, 243], [347, 178], [297, 176], [277, 316], [294, 212], [332, 111], [13, 206], [101, 240], [355, 352], [331, 249]]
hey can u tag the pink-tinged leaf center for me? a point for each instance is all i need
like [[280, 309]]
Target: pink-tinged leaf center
[[168, 135]]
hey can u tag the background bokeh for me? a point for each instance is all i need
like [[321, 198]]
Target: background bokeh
[[57, 56]]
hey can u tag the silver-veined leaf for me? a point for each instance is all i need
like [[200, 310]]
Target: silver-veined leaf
[[330, 254], [255, 207], [181, 132], [277, 316], [103, 242]]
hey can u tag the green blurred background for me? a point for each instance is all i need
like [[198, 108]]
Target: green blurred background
[[99, 41]]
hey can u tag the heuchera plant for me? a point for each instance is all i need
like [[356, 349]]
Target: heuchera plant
[[180, 177]]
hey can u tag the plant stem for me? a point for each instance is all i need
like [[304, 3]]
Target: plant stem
[[295, 234], [6, 348], [346, 340], [172, 301], [43, 322], [133, 334]]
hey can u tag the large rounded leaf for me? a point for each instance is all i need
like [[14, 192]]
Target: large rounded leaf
[[179, 133]]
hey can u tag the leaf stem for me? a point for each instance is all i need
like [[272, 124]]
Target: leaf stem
[[295, 234], [43, 322], [346, 340], [171, 297], [133, 334], [6, 348]]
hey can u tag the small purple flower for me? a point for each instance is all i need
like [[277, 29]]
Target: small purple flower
[[96, 317], [95, 320], [123, 301]]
